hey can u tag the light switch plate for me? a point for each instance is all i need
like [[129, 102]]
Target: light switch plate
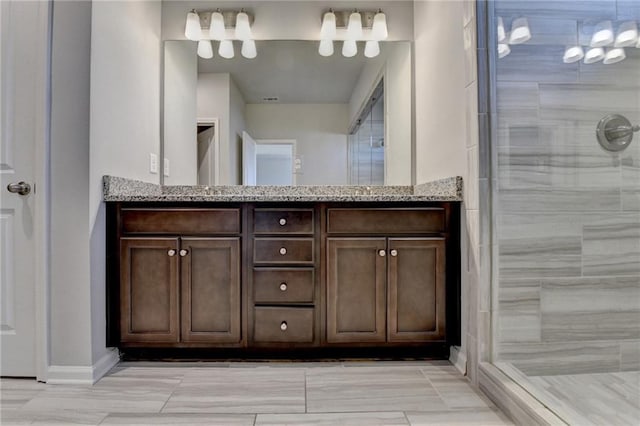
[[153, 163], [165, 169]]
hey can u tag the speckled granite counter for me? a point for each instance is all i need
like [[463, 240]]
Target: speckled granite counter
[[120, 189]]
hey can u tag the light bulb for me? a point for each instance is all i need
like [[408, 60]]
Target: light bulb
[[503, 50], [326, 48], [602, 34], [328, 30], [205, 50], [520, 32], [502, 35], [226, 49], [354, 28], [614, 55], [349, 48], [217, 31], [192, 30], [243, 29], [379, 28], [371, 49], [595, 54], [627, 34], [572, 54], [249, 49]]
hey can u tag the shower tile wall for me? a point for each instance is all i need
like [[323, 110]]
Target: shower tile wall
[[567, 222]]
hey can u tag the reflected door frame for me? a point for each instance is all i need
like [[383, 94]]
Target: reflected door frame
[[215, 122], [293, 143]]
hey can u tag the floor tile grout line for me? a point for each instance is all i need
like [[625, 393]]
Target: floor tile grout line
[[172, 392], [404, 413], [436, 390], [306, 409]]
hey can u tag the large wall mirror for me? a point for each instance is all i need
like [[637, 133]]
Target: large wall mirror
[[288, 116]]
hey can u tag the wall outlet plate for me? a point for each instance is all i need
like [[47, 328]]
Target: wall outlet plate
[[153, 163], [165, 169]]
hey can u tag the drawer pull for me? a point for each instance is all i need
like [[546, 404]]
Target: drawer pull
[[283, 326], [282, 221], [382, 253], [283, 251], [394, 253], [184, 252], [283, 286], [171, 253]]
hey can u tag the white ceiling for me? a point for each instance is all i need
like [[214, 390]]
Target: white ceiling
[[293, 71]]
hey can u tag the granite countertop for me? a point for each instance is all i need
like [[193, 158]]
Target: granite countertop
[[121, 189]]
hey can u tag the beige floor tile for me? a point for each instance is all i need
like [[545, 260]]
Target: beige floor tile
[[333, 419], [59, 417], [474, 417], [179, 419]]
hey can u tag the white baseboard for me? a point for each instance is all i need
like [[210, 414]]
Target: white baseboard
[[81, 375], [458, 359]]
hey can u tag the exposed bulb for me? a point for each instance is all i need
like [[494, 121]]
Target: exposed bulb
[[326, 48], [192, 30]]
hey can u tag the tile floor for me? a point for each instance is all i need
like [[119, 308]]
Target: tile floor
[[354, 393]]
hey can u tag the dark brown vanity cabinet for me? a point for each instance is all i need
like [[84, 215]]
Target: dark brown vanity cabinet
[[284, 277], [383, 289]]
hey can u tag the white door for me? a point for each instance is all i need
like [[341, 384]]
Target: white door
[[249, 160], [23, 83], [207, 157]]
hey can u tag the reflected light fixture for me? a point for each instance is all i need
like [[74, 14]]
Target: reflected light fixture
[[503, 50], [602, 35], [192, 30], [502, 35], [573, 54], [354, 28], [249, 49], [371, 49], [328, 30], [627, 34], [593, 55], [205, 49], [349, 48], [520, 32], [226, 49], [326, 48], [243, 29], [614, 55], [217, 31], [379, 28]]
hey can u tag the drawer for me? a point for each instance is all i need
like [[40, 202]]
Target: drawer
[[283, 285], [181, 221], [283, 250], [279, 221], [386, 221], [293, 325]]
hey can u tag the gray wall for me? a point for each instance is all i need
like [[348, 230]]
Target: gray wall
[[567, 220]]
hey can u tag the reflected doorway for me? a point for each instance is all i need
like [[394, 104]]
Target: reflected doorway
[[208, 152]]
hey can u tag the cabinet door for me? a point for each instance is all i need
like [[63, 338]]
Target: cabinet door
[[416, 310], [356, 269], [210, 290], [149, 290]]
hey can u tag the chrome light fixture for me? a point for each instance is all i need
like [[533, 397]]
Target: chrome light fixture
[[205, 49], [352, 26], [193, 30]]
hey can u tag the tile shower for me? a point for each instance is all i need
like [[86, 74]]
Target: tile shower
[[566, 214]]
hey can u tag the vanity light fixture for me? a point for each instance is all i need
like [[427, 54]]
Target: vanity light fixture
[[217, 30], [614, 55], [249, 49], [193, 30], [520, 32], [243, 29], [352, 26], [502, 35], [503, 50], [593, 55], [602, 35], [226, 49], [205, 49], [627, 34], [573, 54]]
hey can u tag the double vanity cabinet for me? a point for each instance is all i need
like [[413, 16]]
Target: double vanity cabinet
[[310, 279]]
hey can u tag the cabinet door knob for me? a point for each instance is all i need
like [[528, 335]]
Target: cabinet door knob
[[394, 253], [283, 326], [283, 251], [283, 286], [183, 252], [382, 253], [282, 221], [171, 253]]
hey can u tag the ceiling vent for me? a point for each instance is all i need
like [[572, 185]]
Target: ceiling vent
[[271, 99]]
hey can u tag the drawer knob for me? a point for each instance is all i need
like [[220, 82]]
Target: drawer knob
[[382, 253], [283, 286], [283, 251], [171, 253], [283, 221], [184, 252], [283, 326], [394, 253]]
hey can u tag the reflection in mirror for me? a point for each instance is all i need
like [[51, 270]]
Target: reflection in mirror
[[350, 118]]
